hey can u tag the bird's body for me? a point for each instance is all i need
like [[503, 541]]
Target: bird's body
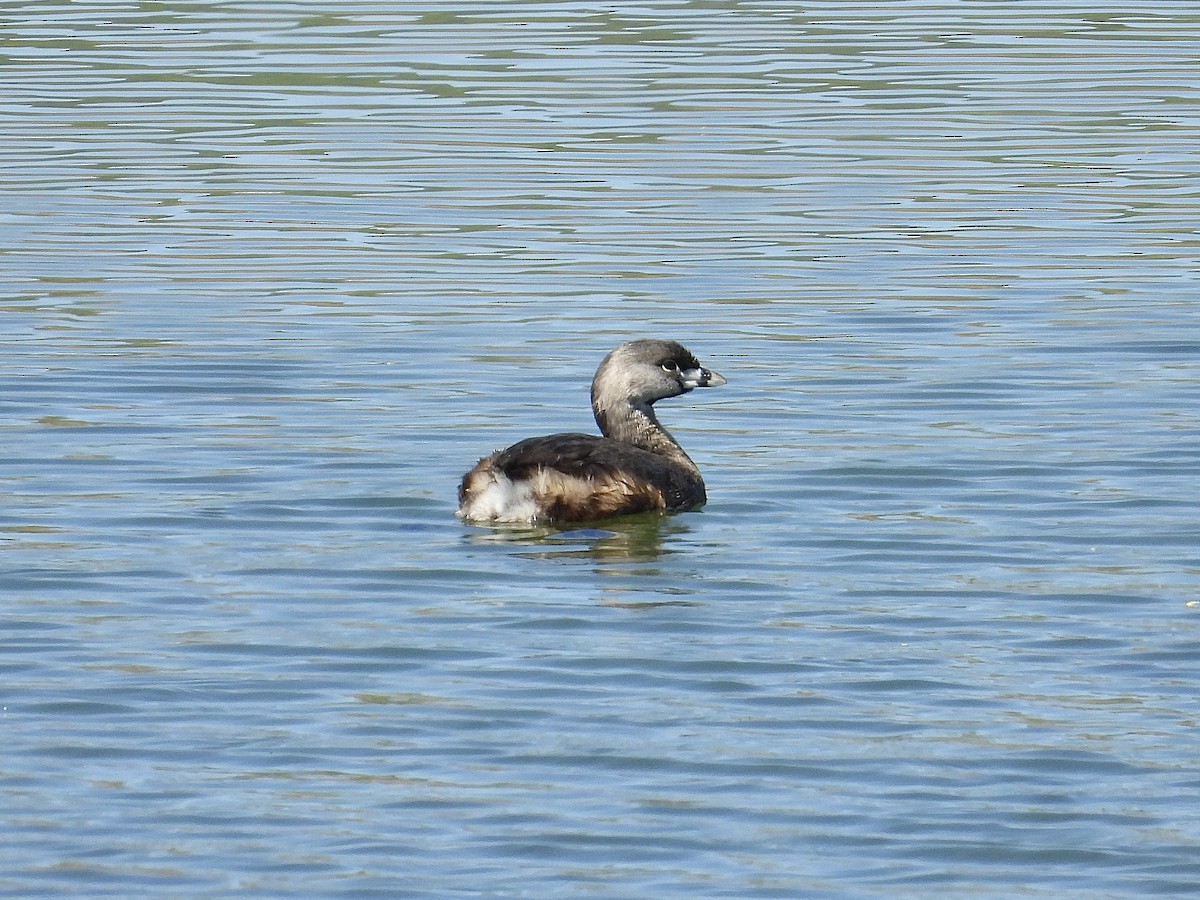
[[636, 466]]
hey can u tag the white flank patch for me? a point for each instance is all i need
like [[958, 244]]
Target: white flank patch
[[501, 501]]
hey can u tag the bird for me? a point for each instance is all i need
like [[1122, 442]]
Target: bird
[[635, 466]]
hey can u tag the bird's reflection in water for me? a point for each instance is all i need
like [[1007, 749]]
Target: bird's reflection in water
[[624, 551], [639, 538]]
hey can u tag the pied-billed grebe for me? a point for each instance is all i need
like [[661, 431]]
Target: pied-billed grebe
[[637, 466]]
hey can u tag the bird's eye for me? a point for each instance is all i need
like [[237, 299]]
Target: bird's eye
[[670, 366]]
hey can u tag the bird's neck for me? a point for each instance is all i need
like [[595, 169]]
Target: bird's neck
[[636, 424]]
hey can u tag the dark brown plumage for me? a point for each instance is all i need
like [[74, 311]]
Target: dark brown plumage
[[635, 467]]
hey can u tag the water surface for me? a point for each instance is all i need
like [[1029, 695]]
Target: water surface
[[275, 275]]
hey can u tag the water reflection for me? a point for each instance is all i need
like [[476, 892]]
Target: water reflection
[[640, 538]]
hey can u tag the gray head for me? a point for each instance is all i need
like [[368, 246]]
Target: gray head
[[641, 372]]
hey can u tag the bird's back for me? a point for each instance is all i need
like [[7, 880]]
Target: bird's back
[[575, 478]]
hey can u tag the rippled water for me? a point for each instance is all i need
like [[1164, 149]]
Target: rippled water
[[276, 274]]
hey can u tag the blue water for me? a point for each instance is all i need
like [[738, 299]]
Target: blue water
[[275, 275]]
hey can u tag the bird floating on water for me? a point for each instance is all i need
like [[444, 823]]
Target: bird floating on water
[[635, 467]]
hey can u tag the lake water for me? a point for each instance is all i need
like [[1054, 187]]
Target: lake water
[[276, 274]]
